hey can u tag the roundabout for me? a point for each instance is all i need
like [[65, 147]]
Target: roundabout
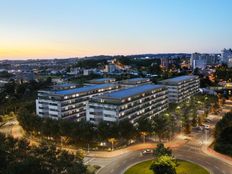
[[182, 168]]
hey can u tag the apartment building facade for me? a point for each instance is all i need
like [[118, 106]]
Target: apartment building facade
[[69, 103], [181, 88], [132, 103]]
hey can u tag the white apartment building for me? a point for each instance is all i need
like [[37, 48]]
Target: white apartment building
[[132, 103], [181, 88], [68, 103]]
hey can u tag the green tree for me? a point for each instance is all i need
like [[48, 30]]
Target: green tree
[[164, 165], [127, 130], [223, 135], [160, 150], [225, 122], [161, 126], [17, 157], [144, 127]]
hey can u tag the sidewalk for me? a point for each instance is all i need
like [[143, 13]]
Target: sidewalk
[[177, 142]]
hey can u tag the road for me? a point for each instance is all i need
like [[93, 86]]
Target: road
[[191, 151]]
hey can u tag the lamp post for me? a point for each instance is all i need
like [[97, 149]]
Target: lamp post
[[112, 141], [144, 136]]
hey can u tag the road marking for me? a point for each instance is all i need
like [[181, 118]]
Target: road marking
[[89, 160]]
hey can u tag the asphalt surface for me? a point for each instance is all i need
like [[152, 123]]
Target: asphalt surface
[[191, 151]]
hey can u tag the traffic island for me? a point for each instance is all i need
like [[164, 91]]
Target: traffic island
[[183, 167]]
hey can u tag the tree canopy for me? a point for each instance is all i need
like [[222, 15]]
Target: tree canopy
[[17, 157], [164, 165], [223, 134]]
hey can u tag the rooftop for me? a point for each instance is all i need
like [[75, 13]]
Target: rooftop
[[137, 79], [124, 93], [178, 79], [64, 85], [83, 89], [101, 79]]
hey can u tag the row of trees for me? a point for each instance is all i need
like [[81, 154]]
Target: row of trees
[[16, 156], [223, 72], [192, 112], [14, 95], [163, 126], [84, 132], [223, 135]]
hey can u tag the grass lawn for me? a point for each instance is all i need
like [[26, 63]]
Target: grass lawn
[[184, 167]]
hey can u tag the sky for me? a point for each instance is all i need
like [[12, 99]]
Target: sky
[[71, 28]]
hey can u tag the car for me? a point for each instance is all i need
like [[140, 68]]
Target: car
[[200, 128], [147, 151], [206, 127]]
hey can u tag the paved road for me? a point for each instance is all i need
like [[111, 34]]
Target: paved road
[[118, 164], [191, 151]]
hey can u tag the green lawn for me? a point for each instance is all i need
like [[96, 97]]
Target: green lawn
[[184, 167]]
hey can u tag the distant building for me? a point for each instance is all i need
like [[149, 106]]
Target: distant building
[[102, 80], [227, 57], [132, 103], [64, 86], [69, 103], [200, 61], [56, 80], [181, 88], [135, 81], [110, 68], [74, 71], [164, 62], [24, 76], [87, 72]]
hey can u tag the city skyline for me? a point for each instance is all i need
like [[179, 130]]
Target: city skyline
[[58, 29]]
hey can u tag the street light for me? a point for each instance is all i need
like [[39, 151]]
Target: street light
[[112, 141], [144, 136]]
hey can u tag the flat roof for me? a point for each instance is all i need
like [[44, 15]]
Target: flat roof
[[124, 93], [83, 89], [64, 85], [178, 79], [101, 79], [136, 79]]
